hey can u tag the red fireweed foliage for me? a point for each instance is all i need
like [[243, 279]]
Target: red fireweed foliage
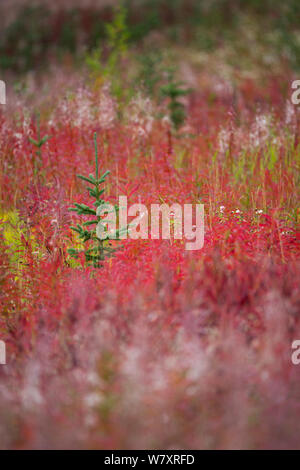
[[160, 348]]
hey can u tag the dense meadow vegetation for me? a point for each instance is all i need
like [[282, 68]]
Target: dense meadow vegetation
[[160, 347]]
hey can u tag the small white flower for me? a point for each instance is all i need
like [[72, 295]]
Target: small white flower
[[222, 209], [92, 399]]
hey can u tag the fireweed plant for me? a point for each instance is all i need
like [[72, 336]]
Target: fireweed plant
[[38, 144], [98, 249]]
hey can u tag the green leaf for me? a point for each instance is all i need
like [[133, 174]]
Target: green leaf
[[102, 179], [84, 209], [34, 142], [90, 222], [85, 178], [43, 140]]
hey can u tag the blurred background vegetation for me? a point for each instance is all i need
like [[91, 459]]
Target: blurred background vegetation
[[33, 33]]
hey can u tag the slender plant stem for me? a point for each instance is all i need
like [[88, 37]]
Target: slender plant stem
[[96, 154]]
